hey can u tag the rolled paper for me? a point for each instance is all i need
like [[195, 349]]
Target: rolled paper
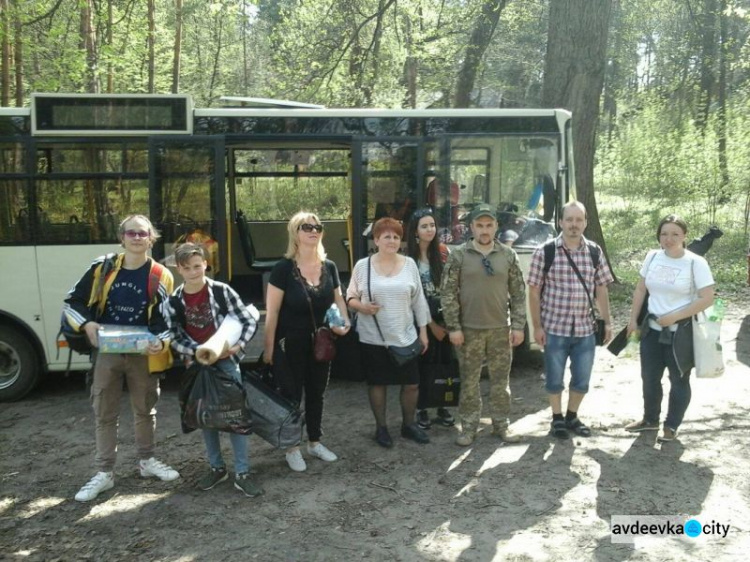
[[225, 337]]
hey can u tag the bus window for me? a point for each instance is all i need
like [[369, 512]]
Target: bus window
[[389, 174], [15, 222], [272, 185]]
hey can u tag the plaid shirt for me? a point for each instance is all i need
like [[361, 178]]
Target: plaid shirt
[[564, 304], [246, 314]]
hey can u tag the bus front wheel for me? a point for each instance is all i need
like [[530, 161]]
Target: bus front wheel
[[19, 368]]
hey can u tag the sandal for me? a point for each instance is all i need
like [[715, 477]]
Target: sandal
[[578, 427], [558, 429]]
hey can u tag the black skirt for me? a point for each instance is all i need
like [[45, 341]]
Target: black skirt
[[380, 370]]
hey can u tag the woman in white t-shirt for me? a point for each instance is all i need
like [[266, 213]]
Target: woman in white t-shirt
[[678, 284]]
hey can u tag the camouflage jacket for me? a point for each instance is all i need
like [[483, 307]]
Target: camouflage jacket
[[472, 298]]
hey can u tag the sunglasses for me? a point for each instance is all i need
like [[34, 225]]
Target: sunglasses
[[136, 233], [310, 227], [487, 266], [422, 213]]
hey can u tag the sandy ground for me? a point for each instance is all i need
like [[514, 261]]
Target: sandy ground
[[537, 500]]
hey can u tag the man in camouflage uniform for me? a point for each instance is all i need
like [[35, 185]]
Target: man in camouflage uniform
[[481, 279]]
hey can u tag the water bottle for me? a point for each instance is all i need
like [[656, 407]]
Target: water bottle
[[716, 312], [633, 347], [333, 317]]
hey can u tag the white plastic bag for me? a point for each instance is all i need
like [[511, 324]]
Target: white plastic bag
[[707, 349]]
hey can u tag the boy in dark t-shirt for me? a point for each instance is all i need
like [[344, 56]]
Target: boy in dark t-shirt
[[194, 314]]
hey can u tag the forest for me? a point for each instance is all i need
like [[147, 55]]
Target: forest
[[659, 89]]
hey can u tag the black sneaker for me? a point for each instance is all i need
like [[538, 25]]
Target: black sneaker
[[243, 483], [415, 433], [383, 437], [423, 419], [445, 418], [213, 477]]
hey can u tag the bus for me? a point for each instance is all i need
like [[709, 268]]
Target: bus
[[72, 166]]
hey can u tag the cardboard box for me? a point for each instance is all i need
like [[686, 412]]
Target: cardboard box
[[124, 339]]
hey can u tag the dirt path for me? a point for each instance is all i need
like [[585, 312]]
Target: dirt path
[[538, 500]]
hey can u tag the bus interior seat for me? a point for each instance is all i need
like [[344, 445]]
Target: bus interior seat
[[248, 249]]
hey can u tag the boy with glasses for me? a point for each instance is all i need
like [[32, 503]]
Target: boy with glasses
[[484, 305], [132, 294]]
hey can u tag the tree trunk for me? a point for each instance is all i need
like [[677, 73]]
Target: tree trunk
[[151, 41], [110, 68], [721, 117], [5, 63], [708, 60], [177, 47], [88, 45], [18, 53], [411, 66], [573, 79], [480, 39]]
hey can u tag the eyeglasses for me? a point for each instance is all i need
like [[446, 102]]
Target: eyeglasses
[[310, 227], [487, 266], [136, 233]]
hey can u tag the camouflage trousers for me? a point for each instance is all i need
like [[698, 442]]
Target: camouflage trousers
[[493, 345]]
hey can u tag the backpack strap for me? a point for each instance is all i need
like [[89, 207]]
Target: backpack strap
[[550, 249], [220, 298], [154, 278], [595, 253]]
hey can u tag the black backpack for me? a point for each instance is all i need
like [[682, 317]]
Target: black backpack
[[77, 340], [176, 303]]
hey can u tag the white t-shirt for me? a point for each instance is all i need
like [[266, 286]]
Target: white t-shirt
[[673, 283]]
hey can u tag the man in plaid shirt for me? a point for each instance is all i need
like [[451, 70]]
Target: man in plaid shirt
[[560, 312]]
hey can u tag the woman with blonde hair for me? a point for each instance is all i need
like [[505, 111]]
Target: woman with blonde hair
[[301, 289]]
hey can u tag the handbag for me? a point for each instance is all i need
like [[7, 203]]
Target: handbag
[[400, 355], [276, 419], [440, 379], [600, 327], [324, 345], [707, 349]]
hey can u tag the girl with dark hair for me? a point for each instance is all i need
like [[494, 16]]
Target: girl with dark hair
[[679, 284], [430, 255]]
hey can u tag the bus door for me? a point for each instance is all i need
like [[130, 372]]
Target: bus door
[[187, 203], [271, 179], [390, 178]]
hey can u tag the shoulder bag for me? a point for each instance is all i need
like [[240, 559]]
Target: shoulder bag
[[707, 350], [400, 355]]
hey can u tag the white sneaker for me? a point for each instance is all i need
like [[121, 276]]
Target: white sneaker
[[322, 452], [157, 469], [102, 481], [295, 461]]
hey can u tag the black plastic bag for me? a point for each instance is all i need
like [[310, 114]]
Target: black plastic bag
[[276, 419], [216, 401]]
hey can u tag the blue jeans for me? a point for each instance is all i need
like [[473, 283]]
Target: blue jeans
[[655, 357], [239, 442], [580, 350]]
